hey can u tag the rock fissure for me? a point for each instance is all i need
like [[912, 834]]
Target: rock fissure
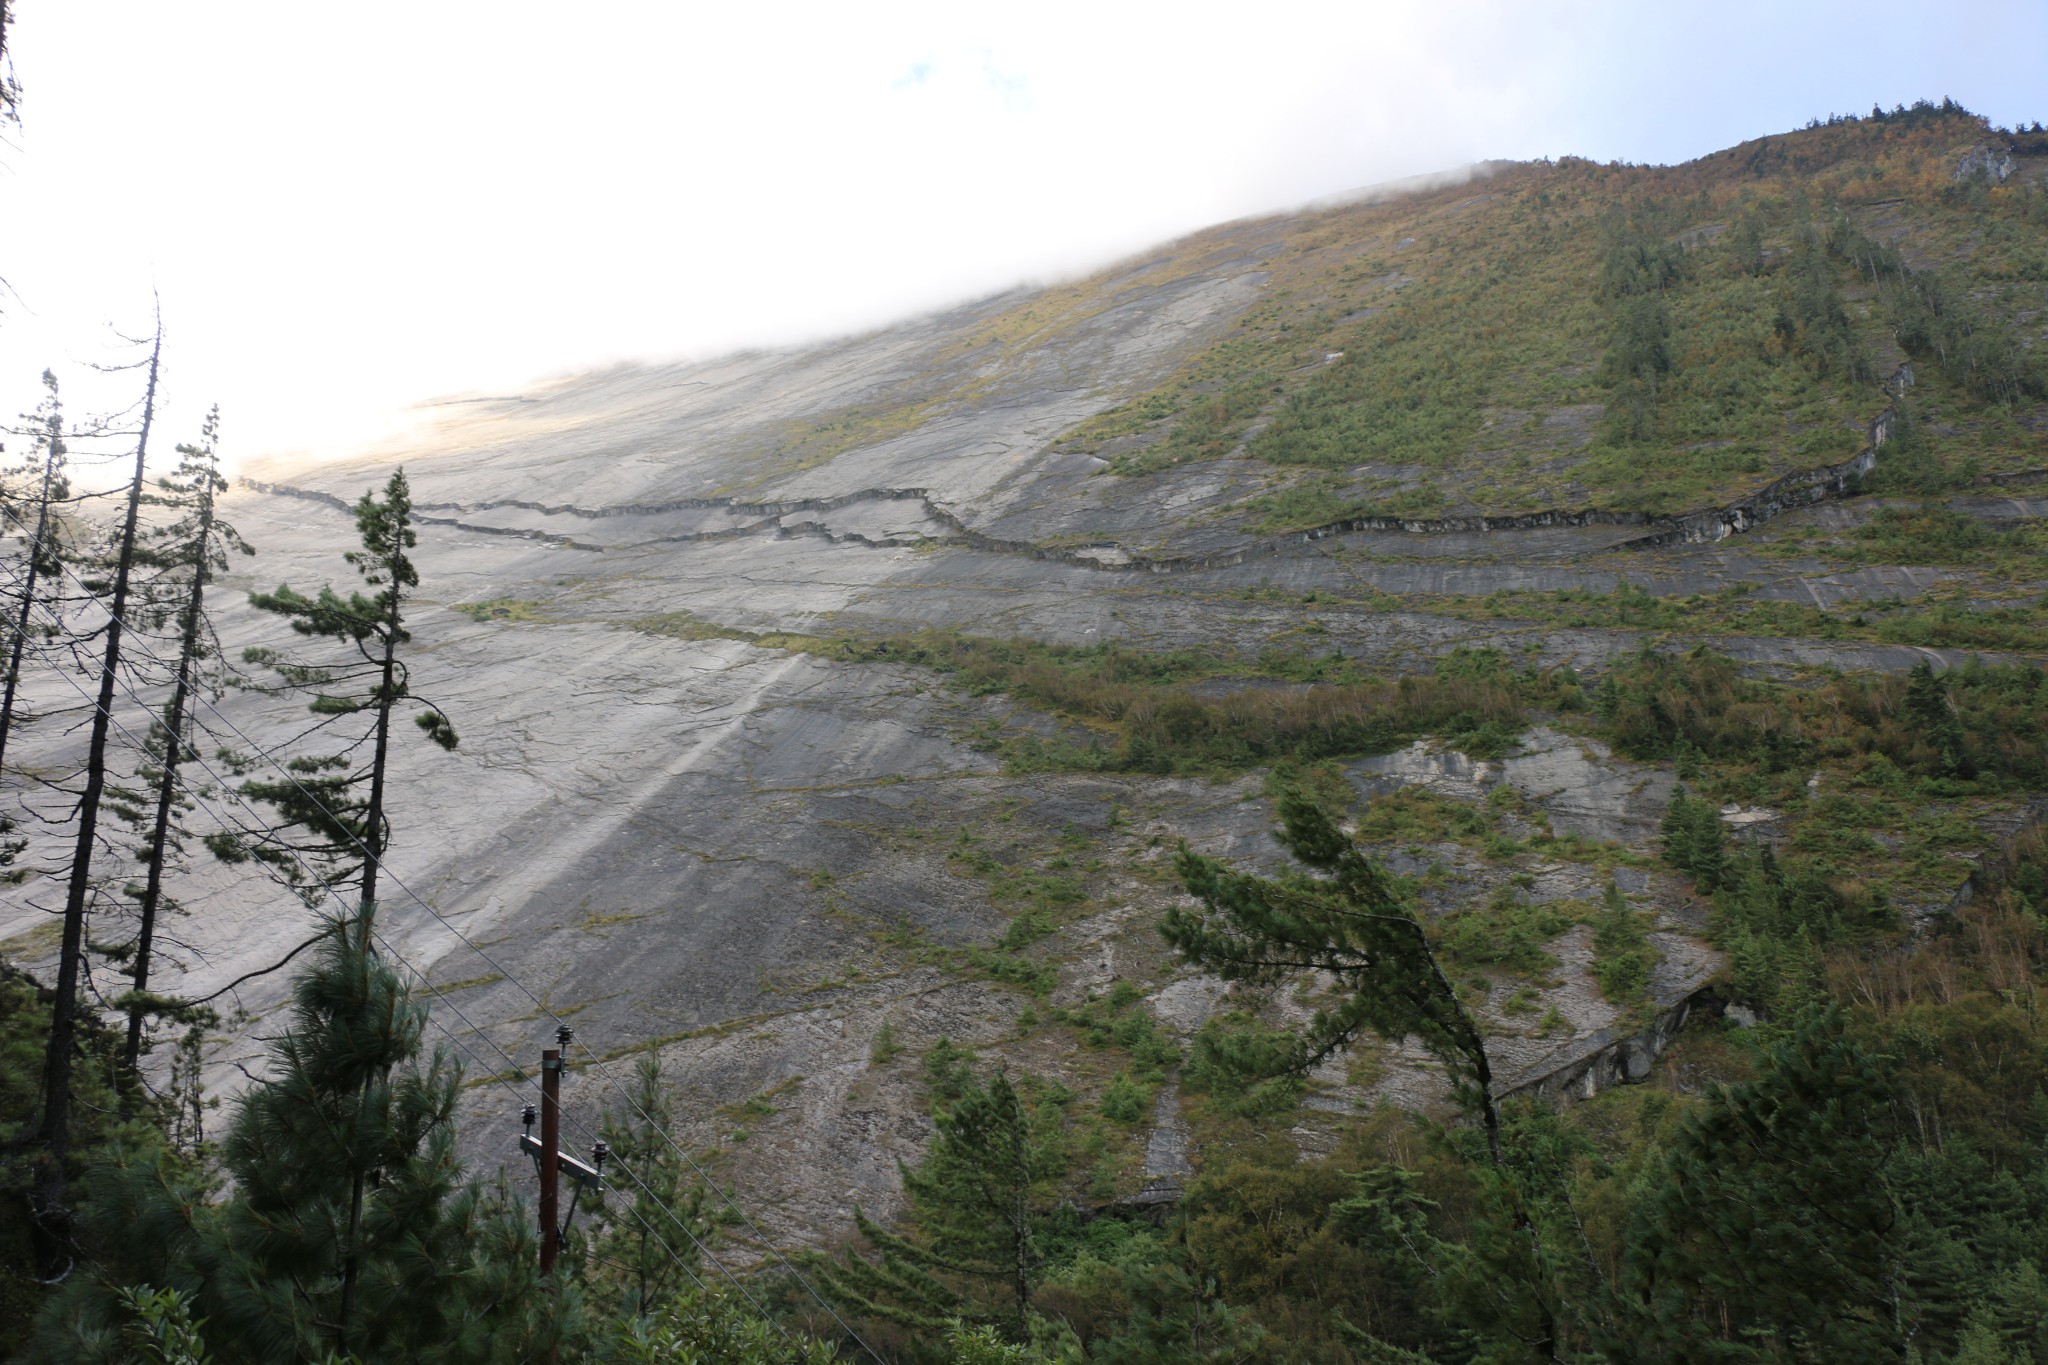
[[1800, 488]]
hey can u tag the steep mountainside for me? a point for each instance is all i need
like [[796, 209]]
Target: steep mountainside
[[871, 685]]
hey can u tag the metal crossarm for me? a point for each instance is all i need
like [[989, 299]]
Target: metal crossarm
[[588, 1177]]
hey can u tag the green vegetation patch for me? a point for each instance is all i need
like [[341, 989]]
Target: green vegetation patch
[[1322, 499], [1135, 710], [503, 609], [1944, 619], [1649, 338]]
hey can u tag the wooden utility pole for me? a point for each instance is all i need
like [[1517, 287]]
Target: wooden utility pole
[[546, 1151], [550, 1158], [551, 1161]]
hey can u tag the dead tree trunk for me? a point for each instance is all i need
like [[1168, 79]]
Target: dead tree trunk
[[54, 1135]]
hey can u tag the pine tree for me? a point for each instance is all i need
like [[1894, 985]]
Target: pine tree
[[1934, 720], [35, 494], [345, 1174], [899, 1282], [188, 552], [1351, 924], [975, 1200], [976, 1191], [1769, 1233], [1694, 839], [29, 496], [653, 1212], [341, 1179], [54, 1134], [337, 800]]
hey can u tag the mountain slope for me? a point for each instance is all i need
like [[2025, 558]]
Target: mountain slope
[[743, 779]]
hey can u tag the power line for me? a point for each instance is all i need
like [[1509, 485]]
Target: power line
[[596, 1061], [489, 961], [383, 942], [391, 950]]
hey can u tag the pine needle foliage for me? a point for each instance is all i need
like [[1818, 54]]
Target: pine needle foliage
[[977, 1201], [186, 552], [337, 798], [445, 1272], [1694, 839], [654, 1214], [31, 496], [1349, 922], [978, 1190], [1771, 1234], [1344, 918]]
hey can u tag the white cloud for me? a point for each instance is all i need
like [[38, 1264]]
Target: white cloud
[[346, 210]]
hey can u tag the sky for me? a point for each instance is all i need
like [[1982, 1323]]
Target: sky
[[345, 211]]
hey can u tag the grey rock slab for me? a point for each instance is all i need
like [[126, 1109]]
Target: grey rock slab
[[1578, 783], [1166, 1146], [738, 857]]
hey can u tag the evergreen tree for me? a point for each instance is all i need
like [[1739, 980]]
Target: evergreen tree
[[653, 1212], [345, 1174], [30, 493], [336, 798], [1350, 923], [1176, 1314], [1389, 1217], [341, 1158], [978, 1188], [898, 1283], [188, 551], [53, 1215], [975, 1201], [1694, 839], [1933, 716], [1768, 1234]]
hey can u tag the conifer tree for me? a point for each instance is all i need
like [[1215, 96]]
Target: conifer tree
[[898, 1283], [345, 1175], [52, 1213], [342, 1179], [188, 551], [338, 799], [653, 1211], [29, 495], [1769, 1233], [1350, 923], [975, 1200], [1934, 720], [976, 1191], [1694, 839]]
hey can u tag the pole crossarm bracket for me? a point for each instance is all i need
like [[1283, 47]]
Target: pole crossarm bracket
[[586, 1177]]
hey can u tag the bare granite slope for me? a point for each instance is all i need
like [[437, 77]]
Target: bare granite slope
[[751, 859]]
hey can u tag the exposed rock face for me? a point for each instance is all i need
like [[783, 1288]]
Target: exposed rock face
[[1580, 786], [752, 860], [1994, 163]]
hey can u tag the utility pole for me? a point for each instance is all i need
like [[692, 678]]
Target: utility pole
[[546, 1151], [551, 1153]]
